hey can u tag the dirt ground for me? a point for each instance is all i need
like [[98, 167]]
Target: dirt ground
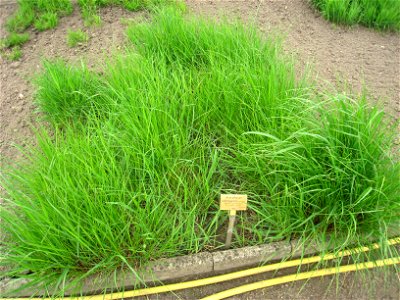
[[341, 58]]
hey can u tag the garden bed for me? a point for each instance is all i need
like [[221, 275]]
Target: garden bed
[[182, 118]]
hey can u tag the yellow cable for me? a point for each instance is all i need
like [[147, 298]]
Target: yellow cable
[[301, 276], [225, 277]]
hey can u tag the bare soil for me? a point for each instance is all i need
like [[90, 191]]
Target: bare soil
[[342, 58]]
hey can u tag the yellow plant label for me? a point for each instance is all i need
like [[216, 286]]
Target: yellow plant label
[[233, 202]]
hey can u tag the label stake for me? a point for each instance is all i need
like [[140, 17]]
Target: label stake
[[232, 203], [232, 218]]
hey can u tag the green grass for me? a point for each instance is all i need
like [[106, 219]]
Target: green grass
[[12, 54], [46, 21], [15, 54], [43, 14], [10, 46], [14, 39], [22, 19], [138, 153], [91, 18], [381, 14], [76, 37]]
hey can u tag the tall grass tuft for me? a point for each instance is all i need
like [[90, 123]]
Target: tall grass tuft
[[138, 153], [332, 175], [381, 14]]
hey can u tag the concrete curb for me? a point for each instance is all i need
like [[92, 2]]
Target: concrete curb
[[177, 268]]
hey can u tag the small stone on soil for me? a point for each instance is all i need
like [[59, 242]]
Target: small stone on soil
[[15, 64]]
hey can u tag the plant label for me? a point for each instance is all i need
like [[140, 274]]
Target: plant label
[[233, 202]]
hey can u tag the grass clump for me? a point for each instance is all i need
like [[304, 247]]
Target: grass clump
[[67, 93], [14, 39], [329, 176], [12, 54], [76, 37], [43, 14], [46, 21], [381, 14], [139, 153], [15, 54], [22, 19], [10, 47]]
